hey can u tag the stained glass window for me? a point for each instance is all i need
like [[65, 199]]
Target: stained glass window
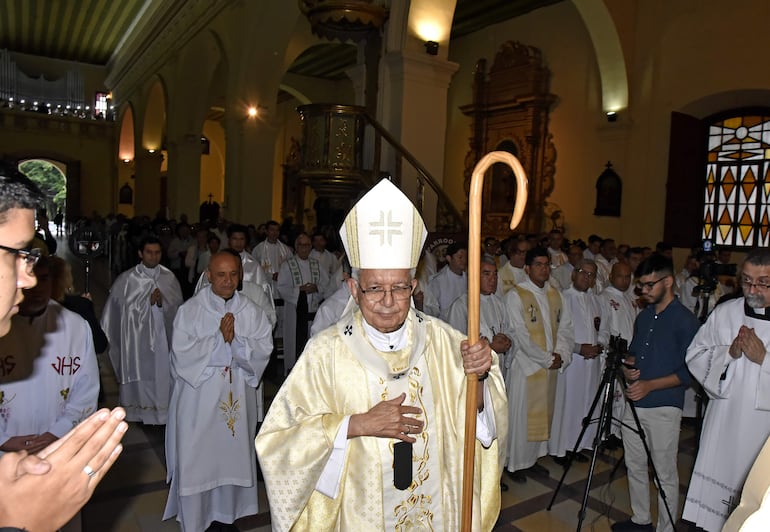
[[737, 181]]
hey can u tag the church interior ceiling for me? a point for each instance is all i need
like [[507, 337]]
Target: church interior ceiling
[[89, 31]]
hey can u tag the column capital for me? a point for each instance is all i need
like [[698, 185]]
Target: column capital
[[420, 68]]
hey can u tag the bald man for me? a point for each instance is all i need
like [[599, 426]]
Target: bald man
[[220, 347]]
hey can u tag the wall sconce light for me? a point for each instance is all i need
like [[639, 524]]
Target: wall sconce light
[[431, 47], [126, 160], [252, 112], [151, 151], [612, 116]]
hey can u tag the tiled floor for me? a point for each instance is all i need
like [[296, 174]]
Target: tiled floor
[[132, 497]]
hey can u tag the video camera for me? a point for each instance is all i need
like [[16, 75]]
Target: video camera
[[617, 349], [710, 270]]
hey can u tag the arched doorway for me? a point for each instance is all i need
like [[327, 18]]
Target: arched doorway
[[51, 177]]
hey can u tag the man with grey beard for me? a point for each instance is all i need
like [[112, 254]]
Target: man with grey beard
[[727, 357]]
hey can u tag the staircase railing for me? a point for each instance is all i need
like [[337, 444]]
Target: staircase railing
[[340, 154]]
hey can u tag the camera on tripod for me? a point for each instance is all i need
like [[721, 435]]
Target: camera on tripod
[[710, 270], [616, 350]]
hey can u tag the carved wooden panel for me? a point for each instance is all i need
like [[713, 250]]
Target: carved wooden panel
[[510, 108]]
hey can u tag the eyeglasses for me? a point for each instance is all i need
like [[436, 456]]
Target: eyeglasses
[[377, 293], [29, 256], [748, 284], [590, 275], [649, 285]]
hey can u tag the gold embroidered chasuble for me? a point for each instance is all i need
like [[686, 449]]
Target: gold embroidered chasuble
[[541, 386], [340, 374]]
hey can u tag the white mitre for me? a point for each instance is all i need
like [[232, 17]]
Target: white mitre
[[383, 230]]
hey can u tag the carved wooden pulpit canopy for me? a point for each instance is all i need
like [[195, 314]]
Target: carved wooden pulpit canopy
[[509, 113]]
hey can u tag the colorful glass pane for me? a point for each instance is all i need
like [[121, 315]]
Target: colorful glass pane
[[737, 181], [728, 184]]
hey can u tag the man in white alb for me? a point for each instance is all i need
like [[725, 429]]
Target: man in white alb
[[728, 356], [52, 382], [271, 253], [137, 319], [302, 284], [555, 242], [221, 345], [578, 382], [619, 312], [543, 344], [450, 282], [494, 322], [512, 272], [237, 237], [561, 277]]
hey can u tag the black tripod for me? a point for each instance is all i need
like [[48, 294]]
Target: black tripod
[[612, 372]]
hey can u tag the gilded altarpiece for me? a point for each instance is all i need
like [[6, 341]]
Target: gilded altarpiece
[[510, 108]]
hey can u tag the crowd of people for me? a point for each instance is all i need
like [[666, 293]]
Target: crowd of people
[[369, 329]]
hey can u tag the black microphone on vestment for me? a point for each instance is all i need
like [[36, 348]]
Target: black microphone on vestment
[[402, 465]]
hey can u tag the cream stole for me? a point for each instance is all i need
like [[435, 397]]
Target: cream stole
[[541, 386]]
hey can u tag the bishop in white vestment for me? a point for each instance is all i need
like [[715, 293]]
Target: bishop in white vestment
[[385, 378], [221, 346], [137, 319]]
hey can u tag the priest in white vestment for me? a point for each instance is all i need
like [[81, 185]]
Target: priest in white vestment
[[271, 253], [495, 325], [512, 273], [728, 357], [302, 284], [237, 237], [221, 345], [449, 283], [577, 384], [543, 345], [137, 319], [50, 381], [385, 378], [604, 260], [555, 242], [331, 309], [618, 311], [325, 258], [561, 277]]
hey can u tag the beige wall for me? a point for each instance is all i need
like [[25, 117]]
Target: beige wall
[[92, 143], [673, 50]]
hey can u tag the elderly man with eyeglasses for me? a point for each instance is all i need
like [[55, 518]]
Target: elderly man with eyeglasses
[[367, 431], [656, 386], [578, 382], [728, 358]]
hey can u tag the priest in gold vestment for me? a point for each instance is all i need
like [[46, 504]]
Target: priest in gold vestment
[[384, 374]]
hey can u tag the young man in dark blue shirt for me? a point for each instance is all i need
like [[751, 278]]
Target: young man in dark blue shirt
[[656, 385]]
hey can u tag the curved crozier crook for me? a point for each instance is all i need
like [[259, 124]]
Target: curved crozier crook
[[474, 290]]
